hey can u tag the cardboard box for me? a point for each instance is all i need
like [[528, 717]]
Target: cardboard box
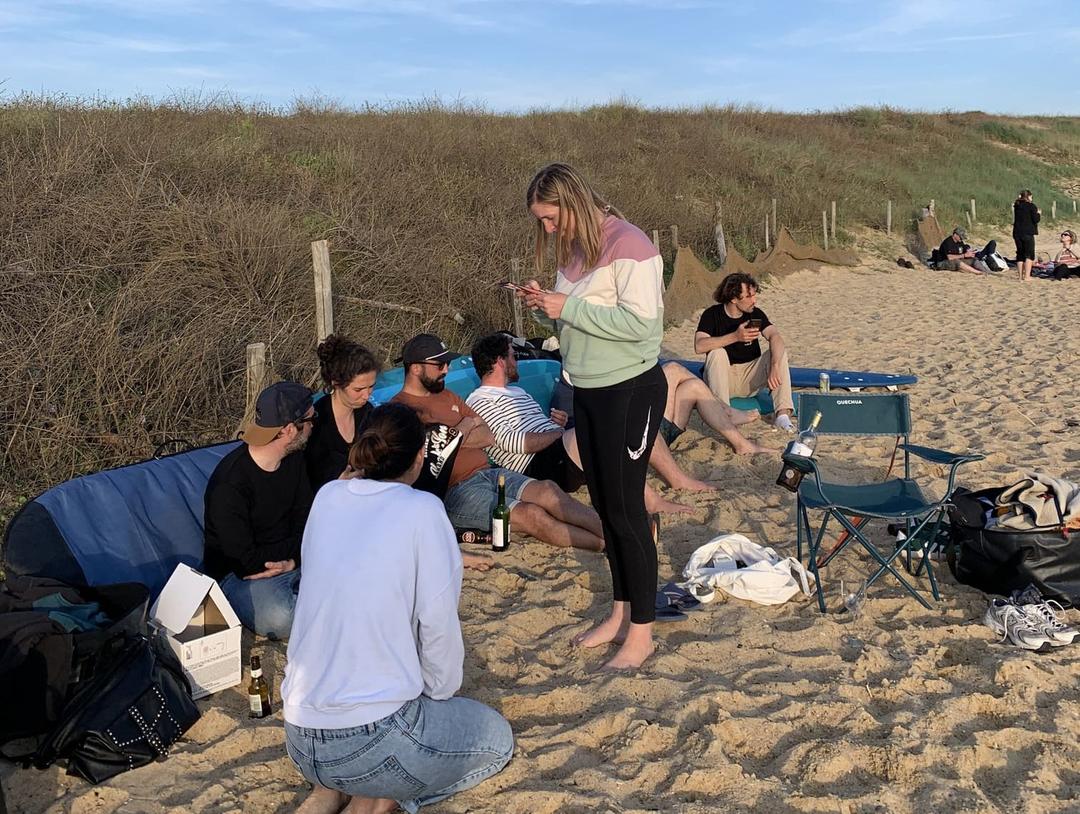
[[203, 630]]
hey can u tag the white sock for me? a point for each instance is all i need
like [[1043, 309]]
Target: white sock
[[783, 421]]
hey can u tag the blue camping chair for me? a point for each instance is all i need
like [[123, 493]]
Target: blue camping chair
[[853, 506]]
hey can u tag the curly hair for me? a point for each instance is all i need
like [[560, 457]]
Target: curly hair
[[341, 360], [730, 287], [487, 350]]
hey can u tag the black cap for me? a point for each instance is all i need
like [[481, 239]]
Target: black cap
[[426, 348], [277, 405]]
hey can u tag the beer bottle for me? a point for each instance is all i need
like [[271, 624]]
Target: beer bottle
[[258, 691], [803, 445], [500, 520]]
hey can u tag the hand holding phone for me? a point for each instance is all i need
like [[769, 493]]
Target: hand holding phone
[[515, 287]]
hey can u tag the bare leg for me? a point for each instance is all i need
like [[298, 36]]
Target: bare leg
[[561, 506], [323, 801], [692, 393], [535, 521], [668, 470], [969, 269], [636, 648], [655, 503], [613, 629]]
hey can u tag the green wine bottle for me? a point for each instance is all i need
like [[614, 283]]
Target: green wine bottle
[[500, 520]]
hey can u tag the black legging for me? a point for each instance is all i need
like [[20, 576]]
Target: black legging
[[616, 427]]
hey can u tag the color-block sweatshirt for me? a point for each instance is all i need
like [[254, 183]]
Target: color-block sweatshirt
[[613, 320]]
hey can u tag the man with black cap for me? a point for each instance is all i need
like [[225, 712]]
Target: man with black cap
[[538, 508], [954, 252], [257, 503]]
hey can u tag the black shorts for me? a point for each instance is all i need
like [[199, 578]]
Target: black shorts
[[1025, 247], [552, 463]]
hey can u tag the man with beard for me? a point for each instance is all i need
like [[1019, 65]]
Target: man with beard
[[257, 502], [538, 508]]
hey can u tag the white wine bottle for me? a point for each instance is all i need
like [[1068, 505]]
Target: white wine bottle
[[803, 445], [500, 520]]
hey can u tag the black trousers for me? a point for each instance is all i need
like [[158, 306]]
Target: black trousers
[[616, 427]]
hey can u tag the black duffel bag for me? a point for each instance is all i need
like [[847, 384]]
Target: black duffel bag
[[136, 706], [999, 561]]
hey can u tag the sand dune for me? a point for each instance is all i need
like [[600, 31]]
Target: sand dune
[[747, 708]]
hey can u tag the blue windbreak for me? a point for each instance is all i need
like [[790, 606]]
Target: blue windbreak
[[136, 523]]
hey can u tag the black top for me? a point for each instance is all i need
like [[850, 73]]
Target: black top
[[327, 453], [252, 516], [951, 245], [1025, 218], [715, 322]]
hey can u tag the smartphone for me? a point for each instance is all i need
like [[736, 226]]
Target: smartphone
[[754, 323], [509, 286]]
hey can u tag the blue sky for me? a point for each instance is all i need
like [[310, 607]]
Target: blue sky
[[1015, 56]]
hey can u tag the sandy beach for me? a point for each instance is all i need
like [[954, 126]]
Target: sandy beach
[[747, 708]]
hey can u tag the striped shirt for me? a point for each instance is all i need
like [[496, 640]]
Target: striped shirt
[[510, 413]]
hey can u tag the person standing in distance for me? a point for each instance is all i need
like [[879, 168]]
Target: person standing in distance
[[608, 309], [1025, 226]]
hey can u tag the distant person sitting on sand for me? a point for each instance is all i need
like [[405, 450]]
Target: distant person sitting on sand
[[257, 501], [538, 508], [348, 372], [735, 365], [543, 447], [1067, 262], [1026, 218], [376, 653], [954, 254]]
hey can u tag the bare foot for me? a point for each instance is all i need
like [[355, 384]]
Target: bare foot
[[659, 504], [630, 656], [689, 484], [476, 563], [740, 417], [323, 801], [750, 448], [610, 630], [370, 805]]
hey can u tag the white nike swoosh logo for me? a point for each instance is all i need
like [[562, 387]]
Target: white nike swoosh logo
[[637, 453]]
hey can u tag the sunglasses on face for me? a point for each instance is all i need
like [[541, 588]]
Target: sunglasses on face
[[439, 365]]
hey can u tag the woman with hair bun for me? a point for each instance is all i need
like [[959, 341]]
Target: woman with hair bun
[[375, 656], [348, 371]]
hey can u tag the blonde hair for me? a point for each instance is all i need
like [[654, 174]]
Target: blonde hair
[[562, 186]]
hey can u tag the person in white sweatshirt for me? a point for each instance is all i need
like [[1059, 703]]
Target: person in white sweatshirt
[[375, 655]]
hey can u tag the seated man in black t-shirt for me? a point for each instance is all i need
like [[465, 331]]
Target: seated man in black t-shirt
[[728, 333], [954, 252], [257, 503]]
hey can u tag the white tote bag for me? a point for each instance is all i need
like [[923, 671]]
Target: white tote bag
[[767, 579]]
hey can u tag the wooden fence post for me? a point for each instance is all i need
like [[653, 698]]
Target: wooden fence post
[[656, 238], [933, 214], [1053, 210], [721, 244], [974, 218], [324, 300], [775, 228], [515, 277], [674, 241], [888, 218], [255, 377], [825, 227], [766, 231], [832, 232], [968, 215]]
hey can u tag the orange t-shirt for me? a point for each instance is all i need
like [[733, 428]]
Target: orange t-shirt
[[448, 408]]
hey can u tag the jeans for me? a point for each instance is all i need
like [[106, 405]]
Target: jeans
[[469, 504], [421, 754], [264, 606]]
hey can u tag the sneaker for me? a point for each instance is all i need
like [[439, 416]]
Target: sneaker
[[1044, 616], [1010, 622]]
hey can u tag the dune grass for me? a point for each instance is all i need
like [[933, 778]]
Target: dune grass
[[143, 245]]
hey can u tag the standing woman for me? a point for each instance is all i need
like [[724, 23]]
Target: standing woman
[[1025, 226], [348, 372], [375, 655], [608, 308]]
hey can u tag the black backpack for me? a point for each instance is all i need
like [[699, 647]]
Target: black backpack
[[105, 699]]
